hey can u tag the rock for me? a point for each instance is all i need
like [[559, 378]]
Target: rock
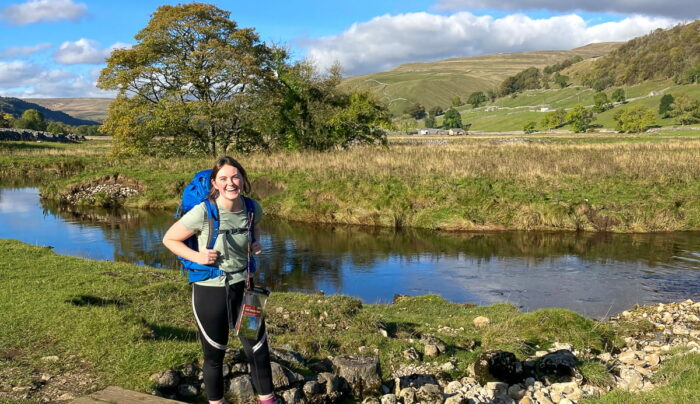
[[411, 354], [371, 400], [283, 377], [189, 370], [408, 395], [680, 330], [499, 365], [457, 399], [560, 345], [565, 401], [605, 357], [516, 392], [542, 397], [334, 386], [187, 391], [293, 396], [447, 367], [286, 355], [429, 394], [496, 389], [629, 357], [453, 387], [360, 372], [321, 366], [52, 358], [653, 360], [431, 350], [166, 380], [415, 380], [242, 391], [526, 400], [558, 363], [630, 380], [481, 321], [388, 399]]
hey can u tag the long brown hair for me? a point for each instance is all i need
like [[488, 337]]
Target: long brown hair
[[228, 161]]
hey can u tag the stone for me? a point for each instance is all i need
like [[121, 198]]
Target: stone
[[629, 357], [189, 370], [542, 398], [187, 391], [52, 358], [429, 394], [516, 392], [605, 357], [293, 396], [453, 387], [565, 401], [496, 389], [653, 360], [630, 380], [333, 383], [166, 380], [447, 367], [431, 350], [360, 372], [371, 400], [456, 399], [312, 388], [286, 355], [558, 363], [242, 391], [481, 321], [560, 345], [408, 395], [526, 400], [283, 377], [506, 367], [388, 399], [415, 380], [680, 330]]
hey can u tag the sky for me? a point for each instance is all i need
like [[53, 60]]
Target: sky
[[56, 48]]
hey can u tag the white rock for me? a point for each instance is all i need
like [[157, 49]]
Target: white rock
[[481, 321]]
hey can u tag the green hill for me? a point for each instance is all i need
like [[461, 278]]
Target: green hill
[[436, 83], [92, 109], [663, 54], [16, 107]]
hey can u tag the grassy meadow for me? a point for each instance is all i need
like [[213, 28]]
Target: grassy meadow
[[594, 182], [114, 323]]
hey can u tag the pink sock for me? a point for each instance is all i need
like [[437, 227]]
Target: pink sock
[[270, 400]]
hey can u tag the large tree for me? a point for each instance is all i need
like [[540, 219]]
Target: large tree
[[452, 119], [190, 81], [30, 119]]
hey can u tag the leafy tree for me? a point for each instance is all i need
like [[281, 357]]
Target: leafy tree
[[416, 110], [686, 110], [554, 119], [601, 102], [636, 119], [476, 99], [580, 118], [57, 128], [529, 127], [436, 111], [6, 120], [452, 119], [491, 94], [618, 95], [30, 119], [456, 101], [190, 82], [561, 80], [430, 121], [665, 105]]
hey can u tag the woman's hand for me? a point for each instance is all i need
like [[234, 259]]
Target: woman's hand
[[207, 257], [256, 247]]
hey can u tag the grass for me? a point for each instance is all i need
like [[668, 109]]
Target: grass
[[620, 183], [119, 323]]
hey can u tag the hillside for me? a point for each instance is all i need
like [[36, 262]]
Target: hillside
[[92, 109], [663, 54], [16, 107], [435, 83]]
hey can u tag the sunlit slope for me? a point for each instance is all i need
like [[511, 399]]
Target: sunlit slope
[[436, 83], [93, 109]]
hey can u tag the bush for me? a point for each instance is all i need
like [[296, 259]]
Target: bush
[[529, 127], [580, 118], [636, 119]]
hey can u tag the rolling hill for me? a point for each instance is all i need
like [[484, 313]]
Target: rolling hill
[[16, 107], [436, 83], [92, 109]]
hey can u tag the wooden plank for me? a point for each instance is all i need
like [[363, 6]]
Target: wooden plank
[[118, 395]]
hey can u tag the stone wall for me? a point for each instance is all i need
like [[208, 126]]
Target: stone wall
[[29, 135]]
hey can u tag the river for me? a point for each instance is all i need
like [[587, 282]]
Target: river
[[592, 273]]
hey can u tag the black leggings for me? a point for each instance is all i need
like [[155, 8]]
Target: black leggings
[[209, 307]]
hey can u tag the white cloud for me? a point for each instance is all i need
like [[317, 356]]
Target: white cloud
[[13, 51], [681, 9], [35, 11], [22, 79], [84, 51], [387, 41]]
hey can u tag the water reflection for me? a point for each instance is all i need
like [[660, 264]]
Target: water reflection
[[588, 272]]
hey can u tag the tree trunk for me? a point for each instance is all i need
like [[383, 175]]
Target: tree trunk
[[212, 141]]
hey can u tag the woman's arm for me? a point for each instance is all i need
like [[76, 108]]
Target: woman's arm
[[256, 246], [174, 241]]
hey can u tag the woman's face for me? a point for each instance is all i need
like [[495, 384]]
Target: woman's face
[[228, 182]]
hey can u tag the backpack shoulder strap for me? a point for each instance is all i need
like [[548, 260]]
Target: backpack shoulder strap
[[213, 219], [250, 212]]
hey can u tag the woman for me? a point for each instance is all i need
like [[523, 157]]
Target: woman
[[211, 297]]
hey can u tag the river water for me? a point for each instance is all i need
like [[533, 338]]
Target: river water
[[591, 273]]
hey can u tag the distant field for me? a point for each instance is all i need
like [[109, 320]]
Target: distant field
[[94, 109], [436, 83]]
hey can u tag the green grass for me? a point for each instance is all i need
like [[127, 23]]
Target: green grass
[[120, 322]]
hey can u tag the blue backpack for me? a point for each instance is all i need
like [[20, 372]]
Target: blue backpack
[[196, 192]]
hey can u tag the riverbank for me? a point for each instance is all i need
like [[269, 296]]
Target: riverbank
[[590, 182], [76, 325]]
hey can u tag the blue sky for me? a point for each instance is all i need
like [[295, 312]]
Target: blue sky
[[56, 48]]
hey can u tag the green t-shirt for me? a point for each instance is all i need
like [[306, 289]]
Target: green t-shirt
[[196, 221]]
